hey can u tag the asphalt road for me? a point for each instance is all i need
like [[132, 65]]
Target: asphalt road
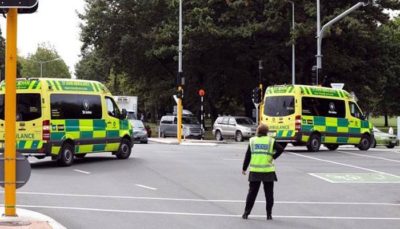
[[171, 186]]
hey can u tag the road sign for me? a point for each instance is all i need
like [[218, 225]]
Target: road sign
[[23, 170], [18, 3]]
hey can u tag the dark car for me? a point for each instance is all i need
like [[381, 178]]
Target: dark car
[[139, 131]]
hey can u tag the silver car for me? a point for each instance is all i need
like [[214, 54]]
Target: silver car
[[191, 127], [139, 131], [237, 127]]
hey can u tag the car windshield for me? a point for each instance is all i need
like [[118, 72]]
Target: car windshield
[[244, 121], [131, 115], [189, 120], [276, 106], [138, 124]]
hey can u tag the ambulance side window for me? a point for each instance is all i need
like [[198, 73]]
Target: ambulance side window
[[355, 111], [112, 108]]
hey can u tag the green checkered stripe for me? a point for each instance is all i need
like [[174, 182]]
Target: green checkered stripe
[[26, 144], [334, 126], [24, 85], [75, 129], [284, 89], [285, 134]]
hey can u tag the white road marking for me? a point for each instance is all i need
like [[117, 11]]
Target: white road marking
[[81, 171], [205, 214], [322, 178], [203, 200], [369, 156], [343, 164], [146, 187], [227, 159]]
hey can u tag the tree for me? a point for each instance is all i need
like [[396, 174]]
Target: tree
[[223, 41], [46, 62]]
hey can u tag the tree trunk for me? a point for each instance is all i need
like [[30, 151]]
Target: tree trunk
[[386, 120]]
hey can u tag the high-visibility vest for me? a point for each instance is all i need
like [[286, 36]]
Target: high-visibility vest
[[262, 150]]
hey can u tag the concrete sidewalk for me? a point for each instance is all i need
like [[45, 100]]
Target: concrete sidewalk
[[28, 220], [188, 142]]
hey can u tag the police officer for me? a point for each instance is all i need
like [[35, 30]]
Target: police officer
[[261, 151]]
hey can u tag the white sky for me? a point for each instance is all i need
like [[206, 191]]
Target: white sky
[[55, 22]]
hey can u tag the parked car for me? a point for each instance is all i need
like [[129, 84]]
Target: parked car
[[139, 131], [235, 127], [191, 127], [384, 139]]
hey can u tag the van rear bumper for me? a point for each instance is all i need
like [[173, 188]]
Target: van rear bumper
[[296, 138], [44, 151]]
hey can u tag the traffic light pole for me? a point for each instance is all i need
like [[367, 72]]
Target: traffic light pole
[[260, 86], [10, 114], [180, 80]]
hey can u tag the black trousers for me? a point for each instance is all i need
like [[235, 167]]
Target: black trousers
[[254, 186]]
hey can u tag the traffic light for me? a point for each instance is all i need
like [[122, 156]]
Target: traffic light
[[256, 95]]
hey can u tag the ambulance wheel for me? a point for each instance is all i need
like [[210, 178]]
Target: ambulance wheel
[[332, 147], [124, 150], [314, 143], [80, 156], [238, 136], [66, 157], [365, 142]]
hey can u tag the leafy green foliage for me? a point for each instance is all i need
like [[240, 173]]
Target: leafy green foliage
[[132, 44], [46, 62]]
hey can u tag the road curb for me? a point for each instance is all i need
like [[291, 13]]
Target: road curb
[[29, 219], [187, 142]]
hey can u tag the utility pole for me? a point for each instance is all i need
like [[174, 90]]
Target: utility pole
[[180, 78], [293, 47], [260, 86]]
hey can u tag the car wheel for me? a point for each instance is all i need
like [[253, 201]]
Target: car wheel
[[391, 146], [238, 136], [80, 156], [66, 157], [314, 143], [332, 147], [365, 142], [124, 150], [144, 142], [162, 134], [373, 144], [218, 136]]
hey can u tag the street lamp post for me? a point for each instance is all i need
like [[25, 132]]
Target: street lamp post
[[293, 47], [44, 62], [320, 32], [180, 78]]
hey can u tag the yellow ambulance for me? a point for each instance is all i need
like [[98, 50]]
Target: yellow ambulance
[[67, 119], [314, 115]]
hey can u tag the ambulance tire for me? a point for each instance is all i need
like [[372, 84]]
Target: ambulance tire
[[314, 143], [124, 150], [66, 157], [365, 142], [332, 147]]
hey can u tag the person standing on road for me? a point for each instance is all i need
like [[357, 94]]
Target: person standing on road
[[260, 154]]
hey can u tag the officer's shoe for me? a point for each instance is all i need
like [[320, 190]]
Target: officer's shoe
[[269, 217], [245, 216]]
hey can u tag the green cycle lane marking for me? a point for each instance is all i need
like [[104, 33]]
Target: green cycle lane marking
[[358, 178]]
